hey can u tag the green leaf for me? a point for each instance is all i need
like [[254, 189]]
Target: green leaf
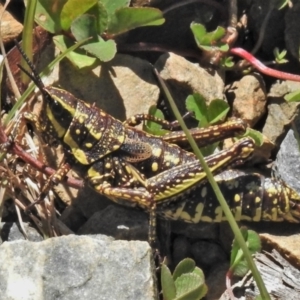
[[101, 16], [223, 47], [73, 9], [199, 32], [257, 136], [293, 96], [128, 18], [227, 62], [199, 272], [217, 111], [280, 56], [86, 26], [209, 40], [47, 14], [104, 50], [211, 37], [217, 34], [254, 244], [238, 262], [187, 265], [242, 268], [236, 252], [112, 6], [167, 283], [78, 58], [196, 103], [190, 286]]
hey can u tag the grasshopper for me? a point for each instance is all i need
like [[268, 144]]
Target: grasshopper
[[127, 165]]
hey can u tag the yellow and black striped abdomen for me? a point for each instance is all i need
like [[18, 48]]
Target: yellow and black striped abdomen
[[251, 196]]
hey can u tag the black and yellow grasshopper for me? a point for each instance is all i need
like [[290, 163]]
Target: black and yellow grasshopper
[[134, 168]]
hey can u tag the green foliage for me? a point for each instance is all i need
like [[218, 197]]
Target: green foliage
[[257, 136], [186, 283], [86, 26], [94, 19], [128, 18], [293, 96], [238, 263], [227, 62], [208, 41], [207, 115], [280, 56]]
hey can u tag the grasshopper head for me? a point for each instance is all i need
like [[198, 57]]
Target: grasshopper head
[[59, 105], [60, 108]]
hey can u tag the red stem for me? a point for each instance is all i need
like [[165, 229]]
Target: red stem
[[261, 67], [17, 150]]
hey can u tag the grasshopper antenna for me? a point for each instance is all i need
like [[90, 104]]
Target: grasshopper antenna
[[35, 77]]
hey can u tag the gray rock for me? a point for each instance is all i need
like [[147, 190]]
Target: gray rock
[[249, 98], [89, 201], [202, 230], [73, 218], [280, 116], [184, 78], [119, 222], [288, 161], [280, 112], [76, 267], [12, 232]]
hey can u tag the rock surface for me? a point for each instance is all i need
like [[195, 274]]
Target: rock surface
[[10, 27], [249, 98], [184, 78], [76, 267]]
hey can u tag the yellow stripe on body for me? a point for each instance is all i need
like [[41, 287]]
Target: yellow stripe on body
[[170, 192], [57, 127]]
